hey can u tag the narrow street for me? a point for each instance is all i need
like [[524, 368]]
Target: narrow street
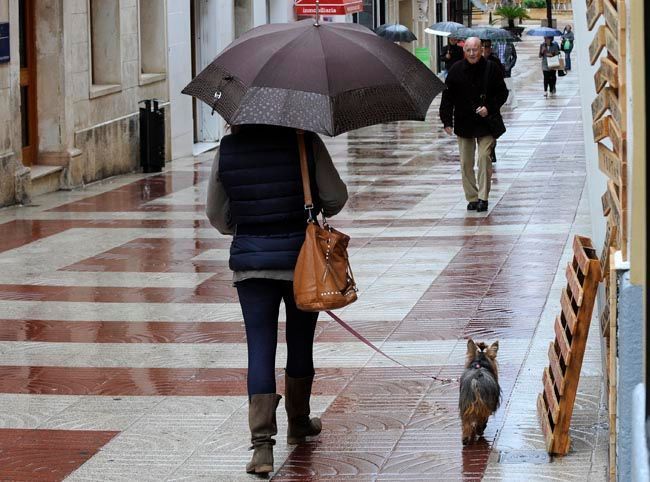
[[122, 349]]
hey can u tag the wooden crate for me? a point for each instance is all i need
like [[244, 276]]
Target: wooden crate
[[560, 379]]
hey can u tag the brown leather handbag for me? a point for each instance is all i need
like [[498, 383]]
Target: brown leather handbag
[[322, 278]]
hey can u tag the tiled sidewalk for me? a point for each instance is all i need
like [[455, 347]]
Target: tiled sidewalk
[[122, 352]]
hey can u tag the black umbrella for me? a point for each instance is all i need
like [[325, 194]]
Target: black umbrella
[[443, 28], [485, 33], [328, 78], [395, 33]]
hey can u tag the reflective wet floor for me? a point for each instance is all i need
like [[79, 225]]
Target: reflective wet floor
[[122, 349]]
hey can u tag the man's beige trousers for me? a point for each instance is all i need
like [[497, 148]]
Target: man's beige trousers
[[467, 148]]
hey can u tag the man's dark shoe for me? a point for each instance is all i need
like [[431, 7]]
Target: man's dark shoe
[[472, 206], [482, 206]]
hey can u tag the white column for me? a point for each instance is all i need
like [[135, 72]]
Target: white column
[[179, 75], [259, 13], [282, 11]]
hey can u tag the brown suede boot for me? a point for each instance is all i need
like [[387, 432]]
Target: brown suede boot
[[296, 402], [263, 425]]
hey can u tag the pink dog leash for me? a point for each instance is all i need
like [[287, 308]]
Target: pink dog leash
[[367, 342]]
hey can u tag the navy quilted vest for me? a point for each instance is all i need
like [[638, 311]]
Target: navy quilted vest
[[259, 168]]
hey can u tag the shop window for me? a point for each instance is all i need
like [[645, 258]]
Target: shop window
[[153, 57], [106, 63]]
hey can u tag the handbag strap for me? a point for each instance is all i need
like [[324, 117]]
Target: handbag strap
[[304, 172], [367, 342], [486, 74]]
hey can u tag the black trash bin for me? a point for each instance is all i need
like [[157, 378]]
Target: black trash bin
[[152, 136]]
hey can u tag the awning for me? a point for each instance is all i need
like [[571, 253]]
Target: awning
[[328, 7]]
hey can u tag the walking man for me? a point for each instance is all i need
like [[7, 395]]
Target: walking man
[[469, 105]]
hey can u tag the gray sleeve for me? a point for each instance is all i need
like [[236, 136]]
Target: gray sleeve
[[332, 192], [217, 206]]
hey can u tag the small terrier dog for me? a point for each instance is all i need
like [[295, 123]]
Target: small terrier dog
[[480, 393]]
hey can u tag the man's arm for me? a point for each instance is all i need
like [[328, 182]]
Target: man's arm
[[499, 92], [447, 108]]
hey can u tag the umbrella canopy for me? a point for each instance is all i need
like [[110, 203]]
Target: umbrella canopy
[[443, 29], [395, 33], [328, 78], [485, 33], [544, 32]]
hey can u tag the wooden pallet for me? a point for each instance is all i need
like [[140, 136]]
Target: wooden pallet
[[561, 377]]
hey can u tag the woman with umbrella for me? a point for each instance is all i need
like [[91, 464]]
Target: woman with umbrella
[[547, 49], [275, 82]]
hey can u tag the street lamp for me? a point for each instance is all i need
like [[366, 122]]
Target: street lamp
[[549, 13]]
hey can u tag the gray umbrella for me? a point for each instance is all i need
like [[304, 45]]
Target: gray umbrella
[[395, 33], [443, 28], [328, 78], [485, 33]]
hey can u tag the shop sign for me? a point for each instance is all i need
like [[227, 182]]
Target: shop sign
[[4, 43]]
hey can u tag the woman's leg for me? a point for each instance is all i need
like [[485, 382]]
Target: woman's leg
[[552, 80], [260, 303], [300, 371], [301, 326], [545, 73]]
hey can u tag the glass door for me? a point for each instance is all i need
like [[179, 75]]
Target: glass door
[[27, 48]]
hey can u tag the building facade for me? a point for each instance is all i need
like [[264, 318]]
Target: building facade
[[75, 75], [198, 30]]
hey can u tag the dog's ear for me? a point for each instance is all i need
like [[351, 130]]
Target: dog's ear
[[471, 347], [493, 349]]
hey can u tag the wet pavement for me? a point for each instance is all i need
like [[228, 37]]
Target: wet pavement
[[122, 352]]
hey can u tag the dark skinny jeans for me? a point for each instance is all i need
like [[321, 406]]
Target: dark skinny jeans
[[550, 77], [260, 303]]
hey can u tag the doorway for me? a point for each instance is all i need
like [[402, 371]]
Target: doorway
[[28, 112]]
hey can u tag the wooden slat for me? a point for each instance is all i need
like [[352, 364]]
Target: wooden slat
[[562, 341], [613, 381], [609, 70], [543, 415], [600, 105], [604, 321], [574, 284], [556, 368], [567, 310], [605, 201], [610, 163], [601, 128], [615, 134], [551, 398], [597, 44], [612, 44], [614, 105], [611, 15], [580, 247], [610, 241], [615, 206], [594, 11]]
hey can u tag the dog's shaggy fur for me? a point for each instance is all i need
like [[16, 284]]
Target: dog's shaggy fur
[[480, 393]]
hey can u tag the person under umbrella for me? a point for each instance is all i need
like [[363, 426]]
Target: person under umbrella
[[547, 49], [275, 82], [443, 29], [451, 53], [395, 33]]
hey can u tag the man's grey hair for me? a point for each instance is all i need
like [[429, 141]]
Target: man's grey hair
[[472, 40]]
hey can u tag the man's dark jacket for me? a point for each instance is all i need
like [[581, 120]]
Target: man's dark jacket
[[463, 96]]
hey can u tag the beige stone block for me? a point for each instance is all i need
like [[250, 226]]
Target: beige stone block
[[130, 74], [5, 105], [73, 174], [128, 4], [78, 28], [79, 57], [80, 86], [7, 180], [81, 114], [130, 48], [48, 27], [129, 20], [77, 6], [5, 78]]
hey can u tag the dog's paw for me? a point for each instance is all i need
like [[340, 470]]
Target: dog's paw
[[467, 440]]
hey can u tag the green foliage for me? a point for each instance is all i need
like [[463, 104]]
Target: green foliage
[[534, 3], [512, 12]]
